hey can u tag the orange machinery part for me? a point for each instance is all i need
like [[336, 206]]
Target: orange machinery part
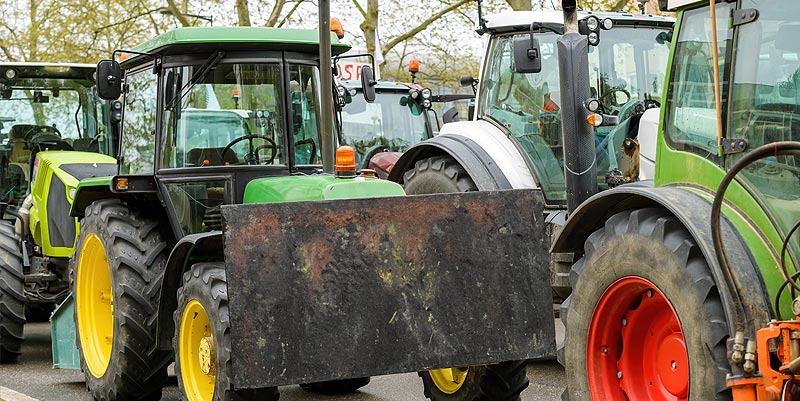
[[768, 384]]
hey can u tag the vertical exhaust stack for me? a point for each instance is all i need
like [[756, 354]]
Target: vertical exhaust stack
[[578, 135], [326, 83]]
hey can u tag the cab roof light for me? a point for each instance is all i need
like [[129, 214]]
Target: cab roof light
[[345, 162], [337, 28], [413, 65]]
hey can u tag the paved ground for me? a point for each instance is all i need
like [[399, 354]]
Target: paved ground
[[34, 377]]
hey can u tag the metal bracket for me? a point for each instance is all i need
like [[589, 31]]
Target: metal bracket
[[744, 16], [733, 145]]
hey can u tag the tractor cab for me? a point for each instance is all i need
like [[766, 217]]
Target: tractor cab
[[46, 106], [204, 120], [381, 130], [627, 56]]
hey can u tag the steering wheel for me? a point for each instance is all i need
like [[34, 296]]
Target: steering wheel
[[637, 108], [252, 156], [611, 96], [41, 129]]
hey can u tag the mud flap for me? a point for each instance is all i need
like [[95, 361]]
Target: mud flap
[[363, 287]]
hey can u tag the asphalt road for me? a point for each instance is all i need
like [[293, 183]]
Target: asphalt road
[[34, 377]]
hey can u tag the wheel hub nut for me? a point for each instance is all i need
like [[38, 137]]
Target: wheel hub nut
[[208, 356]]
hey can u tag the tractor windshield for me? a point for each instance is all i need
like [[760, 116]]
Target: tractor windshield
[[47, 107], [67, 110], [626, 69], [765, 102], [237, 115], [392, 123]]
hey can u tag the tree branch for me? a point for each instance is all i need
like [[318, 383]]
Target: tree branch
[[126, 20], [177, 13], [289, 14], [276, 13], [422, 26], [360, 9], [243, 11]]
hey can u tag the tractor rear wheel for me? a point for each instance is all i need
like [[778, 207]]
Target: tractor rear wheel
[[203, 339], [117, 268], [336, 387], [12, 295], [645, 321], [504, 381], [437, 175]]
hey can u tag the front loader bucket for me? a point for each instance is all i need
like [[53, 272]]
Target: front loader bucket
[[363, 287]]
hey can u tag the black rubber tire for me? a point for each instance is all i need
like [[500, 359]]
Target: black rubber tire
[[336, 387], [651, 244], [207, 284], [12, 295], [437, 175], [136, 254], [498, 382]]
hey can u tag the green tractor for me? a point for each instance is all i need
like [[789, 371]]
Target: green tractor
[[682, 286], [221, 243], [55, 131]]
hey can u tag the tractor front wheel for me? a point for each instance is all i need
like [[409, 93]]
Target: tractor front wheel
[[437, 175], [12, 295], [501, 381], [645, 321], [116, 270], [203, 339]]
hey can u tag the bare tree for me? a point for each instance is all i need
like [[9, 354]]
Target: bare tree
[[370, 24]]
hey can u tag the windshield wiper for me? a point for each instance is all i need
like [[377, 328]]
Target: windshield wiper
[[198, 76]]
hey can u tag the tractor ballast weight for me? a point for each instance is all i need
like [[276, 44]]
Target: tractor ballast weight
[[337, 299]]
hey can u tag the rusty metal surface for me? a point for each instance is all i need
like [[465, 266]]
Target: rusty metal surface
[[365, 287]]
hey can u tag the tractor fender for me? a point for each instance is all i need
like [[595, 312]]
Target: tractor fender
[[142, 190], [692, 210], [201, 247], [488, 155]]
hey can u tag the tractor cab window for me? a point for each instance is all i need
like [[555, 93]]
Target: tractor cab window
[[691, 123], [528, 105], [137, 151], [392, 123], [231, 116], [304, 113], [47, 113], [627, 75], [765, 102]]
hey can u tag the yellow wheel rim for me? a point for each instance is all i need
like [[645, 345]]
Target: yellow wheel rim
[[197, 354], [449, 380], [95, 306]]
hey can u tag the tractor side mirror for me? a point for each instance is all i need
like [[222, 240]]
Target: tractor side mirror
[[109, 80], [368, 83], [527, 55]]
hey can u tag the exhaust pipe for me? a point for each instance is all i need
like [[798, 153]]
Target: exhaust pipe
[[578, 136]]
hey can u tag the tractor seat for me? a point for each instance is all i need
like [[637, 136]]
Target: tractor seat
[[17, 137], [198, 156]]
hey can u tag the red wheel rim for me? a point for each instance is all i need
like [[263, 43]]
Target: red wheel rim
[[635, 347]]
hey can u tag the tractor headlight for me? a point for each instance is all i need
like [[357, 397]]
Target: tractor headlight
[[593, 23], [426, 93]]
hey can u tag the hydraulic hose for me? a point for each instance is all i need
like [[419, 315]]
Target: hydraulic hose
[[771, 149]]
